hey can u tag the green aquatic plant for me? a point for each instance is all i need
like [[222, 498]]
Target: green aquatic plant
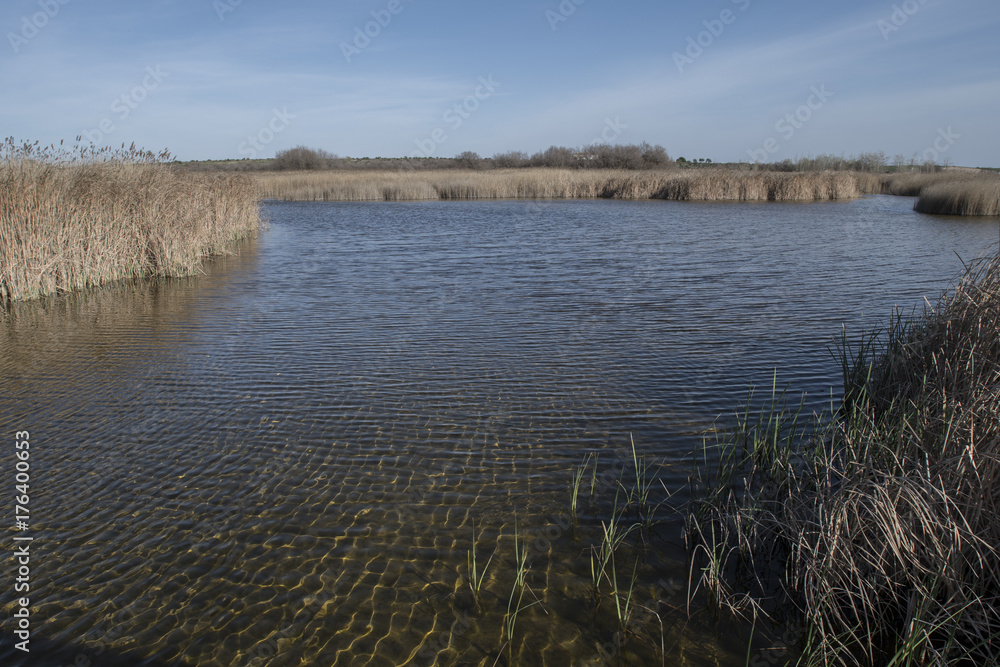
[[623, 599], [639, 496], [593, 476], [476, 577], [578, 474], [516, 602], [613, 536]]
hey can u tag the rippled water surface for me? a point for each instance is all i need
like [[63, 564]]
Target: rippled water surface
[[282, 462]]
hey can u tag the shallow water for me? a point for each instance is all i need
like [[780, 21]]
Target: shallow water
[[282, 461]]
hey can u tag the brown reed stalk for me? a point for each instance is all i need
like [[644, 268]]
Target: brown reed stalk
[[551, 183], [70, 222], [878, 528], [972, 196]]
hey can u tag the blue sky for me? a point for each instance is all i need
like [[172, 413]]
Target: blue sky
[[726, 80]]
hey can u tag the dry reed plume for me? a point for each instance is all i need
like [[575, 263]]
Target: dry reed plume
[[880, 527], [551, 183], [68, 223]]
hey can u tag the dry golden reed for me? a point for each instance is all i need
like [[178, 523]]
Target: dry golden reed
[[552, 183], [946, 192], [972, 196], [949, 192], [68, 226], [881, 528]]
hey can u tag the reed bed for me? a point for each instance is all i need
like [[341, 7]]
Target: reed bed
[[877, 527], [551, 183], [974, 196], [946, 192], [950, 192], [69, 225]]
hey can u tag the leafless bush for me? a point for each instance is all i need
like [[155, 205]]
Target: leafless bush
[[303, 158], [554, 156], [654, 156], [511, 160], [469, 160], [608, 156]]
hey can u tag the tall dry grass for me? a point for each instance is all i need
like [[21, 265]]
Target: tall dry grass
[[949, 192], [550, 183], [427, 185], [880, 528], [66, 225], [971, 196]]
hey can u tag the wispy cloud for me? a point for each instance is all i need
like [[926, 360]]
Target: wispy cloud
[[614, 61]]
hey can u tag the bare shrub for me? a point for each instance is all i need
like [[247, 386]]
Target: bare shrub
[[469, 160], [554, 156], [511, 160], [654, 156], [608, 156], [303, 158]]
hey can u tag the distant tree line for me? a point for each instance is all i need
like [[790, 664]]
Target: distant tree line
[[597, 156], [875, 163], [600, 156]]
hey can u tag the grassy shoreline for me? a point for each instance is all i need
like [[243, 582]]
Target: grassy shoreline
[[67, 225], [876, 527], [947, 192]]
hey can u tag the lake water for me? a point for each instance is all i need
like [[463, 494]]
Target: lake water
[[283, 461]]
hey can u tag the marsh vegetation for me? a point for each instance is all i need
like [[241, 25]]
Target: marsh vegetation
[[71, 219], [875, 527], [616, 172], [620, 172], [554, 183]]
